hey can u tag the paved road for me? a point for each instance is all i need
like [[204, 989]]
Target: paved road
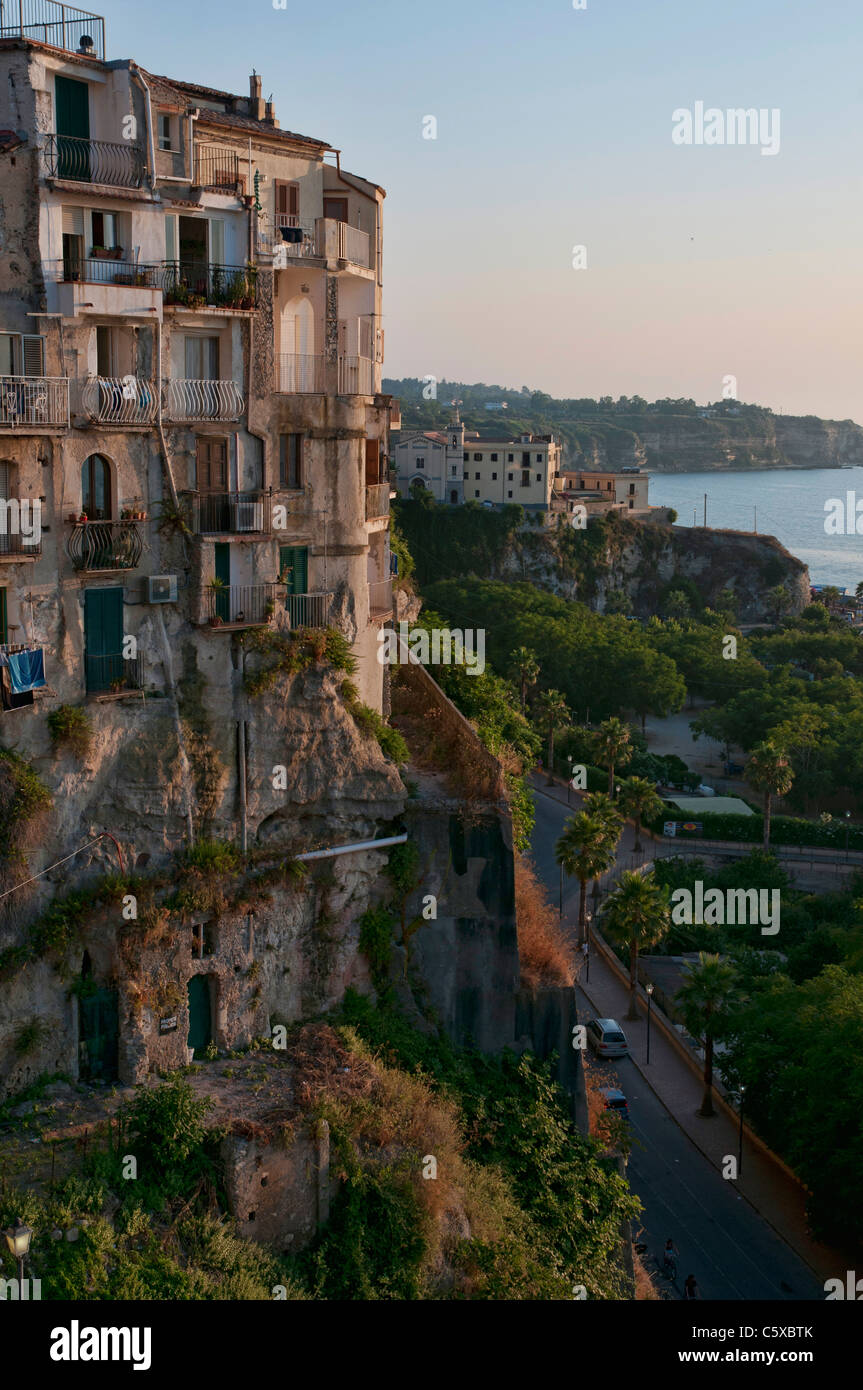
[[732, 1252]]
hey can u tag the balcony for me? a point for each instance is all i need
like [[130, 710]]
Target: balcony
[[217, 170], [61, 26], [356, 376], [289, 239], [103, 545], [107, 162], [377, 501], [300, 374], [104, 284], [33, 400], [340, 241], [17, 547], [240, 605], [124, 400], [189, 401], [380, 599], [113, 674], [231, 513], [198, 285], [308, 610]]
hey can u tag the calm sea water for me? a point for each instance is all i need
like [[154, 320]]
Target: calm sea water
[[790, 506]]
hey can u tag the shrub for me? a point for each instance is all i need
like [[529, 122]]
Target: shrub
[[212, 857], [544, 954], [70, 728], [376, 935]]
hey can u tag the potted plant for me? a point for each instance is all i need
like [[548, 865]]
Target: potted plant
[[269, 609], [125, 514], [83, 517]]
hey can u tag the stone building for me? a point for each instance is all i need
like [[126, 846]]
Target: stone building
[[458, 466]]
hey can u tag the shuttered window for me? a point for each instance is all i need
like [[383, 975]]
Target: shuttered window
[[170, 238], [34, 355], [73, 221], [22, 354]]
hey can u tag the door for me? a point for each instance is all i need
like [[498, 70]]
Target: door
[[294, 565], [72, 113], [222, 572], [193, 254], [373, 449], [200, 1026], [211, 457], [103, 638], [336, 208], [98, 1028]]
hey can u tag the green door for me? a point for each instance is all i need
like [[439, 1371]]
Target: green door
[[72, 110], [103, 638], [200, 1030], [294, 562], [98, 1030], [222, 569]]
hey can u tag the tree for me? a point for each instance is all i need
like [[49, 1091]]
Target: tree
[[638, 799], [554, 710], [705, 991], [614, 743], [585, 851], [636, 915], [777, 597], [769, 771], [830, 597], [525, 663], [677, 605], [618, 601]]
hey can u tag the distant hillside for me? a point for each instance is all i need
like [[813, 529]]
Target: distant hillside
[[668, 436]]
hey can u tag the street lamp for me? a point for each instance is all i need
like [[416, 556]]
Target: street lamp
[[847, 828], [588, 917], [649, 998], [18, 1240], [741, 1090]]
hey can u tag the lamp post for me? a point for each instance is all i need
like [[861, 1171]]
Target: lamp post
[[649, 998], [741, 1090], [588, 917], [847, 829], [560, 901], [18, 1240]]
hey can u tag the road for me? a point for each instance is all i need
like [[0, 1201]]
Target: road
[[731, 1250]]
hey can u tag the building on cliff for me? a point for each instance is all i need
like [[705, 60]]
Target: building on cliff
[[458, 466], [599, 492]]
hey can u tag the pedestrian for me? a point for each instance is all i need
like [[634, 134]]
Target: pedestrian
[[690, 1288]]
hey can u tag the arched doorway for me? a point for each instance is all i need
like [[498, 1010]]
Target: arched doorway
[[96, 488], [298, 345]]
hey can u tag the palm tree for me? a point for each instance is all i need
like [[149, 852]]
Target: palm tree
[[636, 915], [614, 737], [769, 771], [605, 807], [554, 710], [708, 983], [525, 663], [585, 850], [638, 799]]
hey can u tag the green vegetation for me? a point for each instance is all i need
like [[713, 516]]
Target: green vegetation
[[23, 800], [636, 916], [70, 728]]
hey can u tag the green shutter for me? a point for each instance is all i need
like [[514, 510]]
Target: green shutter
[[200, 1031], [295, 559], [72, 113], [103, 638]]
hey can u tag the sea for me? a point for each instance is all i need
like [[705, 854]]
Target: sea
[[788, 503]]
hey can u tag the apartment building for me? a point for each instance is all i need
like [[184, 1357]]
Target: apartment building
[[459, 466], [600, 492], [190, 351]]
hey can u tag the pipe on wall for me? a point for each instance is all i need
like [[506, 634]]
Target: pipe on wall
[[351, 849]]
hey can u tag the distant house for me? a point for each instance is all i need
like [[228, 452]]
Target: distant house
[[496, 405]]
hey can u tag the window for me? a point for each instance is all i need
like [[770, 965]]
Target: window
[[202, 359], [96, 488], [510, 458], [509, 477], [494, 477], [494, 458], [466, 458], [103, 226], [539, 477], [525, 459], [22, 354], [525, 477], [287, 203], [632, 489], [203, 939], [476, 493], [106, 351], [477, 458], [509, 494], [164, 132], [421, 463], [291, 461], [631, 504], [539, 458], [454, 471], [476, 477]]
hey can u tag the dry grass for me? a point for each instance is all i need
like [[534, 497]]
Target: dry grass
[[543, 949], [645, 1289]]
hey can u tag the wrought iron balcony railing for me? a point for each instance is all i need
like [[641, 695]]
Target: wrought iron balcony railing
[[356, 376], [61, 26], [127, 400], [192, 284], [14, 546], [231, 513], [104, 545], [216, 169], [115, 164], [188, 401], [308, 610], [113, 673], [300, 374], [377, 501], [33, 400], [380, 598], [104, 270], [241, 605]]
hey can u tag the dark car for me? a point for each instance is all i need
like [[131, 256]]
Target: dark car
[[615, 1100]]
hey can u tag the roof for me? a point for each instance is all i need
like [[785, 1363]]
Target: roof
[[698, 806], [172, 92]]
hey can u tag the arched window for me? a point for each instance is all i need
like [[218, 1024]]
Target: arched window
[[96, 488], [298, 327]]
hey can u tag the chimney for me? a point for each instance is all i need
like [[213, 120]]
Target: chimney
[[270, 117], [256, 105]]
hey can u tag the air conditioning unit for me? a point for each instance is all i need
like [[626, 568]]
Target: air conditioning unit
[[247, 516], [162, 588]]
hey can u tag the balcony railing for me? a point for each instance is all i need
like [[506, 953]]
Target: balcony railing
[[308, 610], [377, 501], [380, 598], [231, 513], [300, 374], [188, 401], [104, 545], [33, 400], [104, 270], [15, 546], [241, 605], [216, 169], [193, 284], [353, 245], [61, 26], [125, 400], [115, 164], [356, 376], [113, 673]]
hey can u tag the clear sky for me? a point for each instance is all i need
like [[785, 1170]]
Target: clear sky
[[554, 129]]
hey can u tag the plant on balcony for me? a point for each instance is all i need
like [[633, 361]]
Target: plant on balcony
[[216, 584], [70, 728], [173, 519]]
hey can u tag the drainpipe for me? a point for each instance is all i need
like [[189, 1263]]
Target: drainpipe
[[169, 472], [352, 849], [148, 107], [241, 755]]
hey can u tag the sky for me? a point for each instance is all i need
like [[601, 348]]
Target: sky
[[704, 261]]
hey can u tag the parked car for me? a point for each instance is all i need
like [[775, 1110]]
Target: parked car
[[607, 1038], [704, 790], [615, 1100]]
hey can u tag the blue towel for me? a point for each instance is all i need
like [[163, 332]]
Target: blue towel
[[26, 671]]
